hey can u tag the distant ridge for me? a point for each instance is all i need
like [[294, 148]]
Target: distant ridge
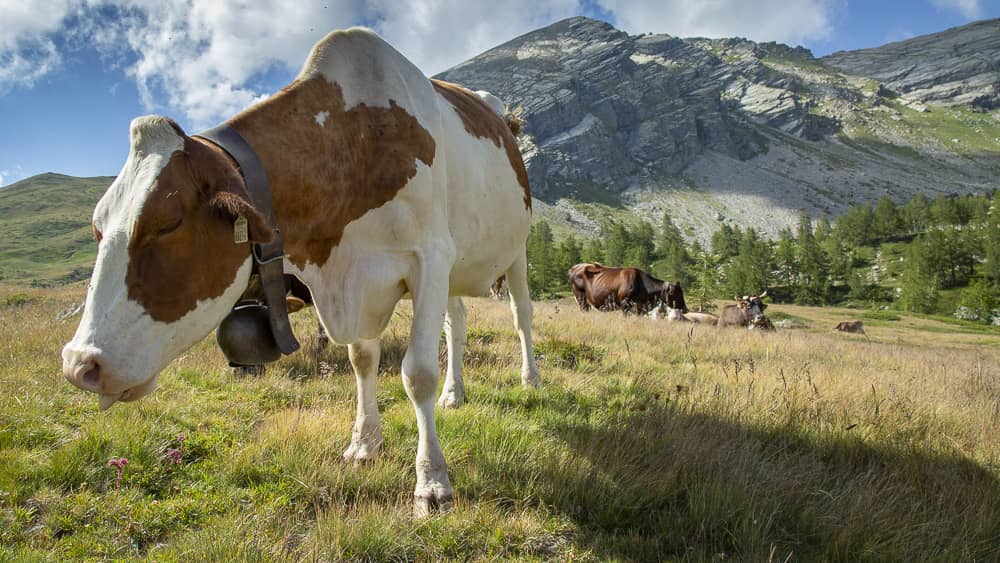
[[45, 232], [729, 130]]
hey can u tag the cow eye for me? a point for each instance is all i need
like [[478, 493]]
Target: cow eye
[[169, 228]]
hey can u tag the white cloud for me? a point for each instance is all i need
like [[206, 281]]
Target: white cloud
[[3, 176], [438, 34], [971, 9], [201, 59], [787, 21], [26, 51]]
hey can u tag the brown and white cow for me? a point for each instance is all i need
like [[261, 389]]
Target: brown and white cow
[[628, 289], [746, 312], [384, 184]]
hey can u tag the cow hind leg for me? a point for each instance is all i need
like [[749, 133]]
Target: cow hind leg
[[429, 289], [520, 305], [453, 393], [367, 436]]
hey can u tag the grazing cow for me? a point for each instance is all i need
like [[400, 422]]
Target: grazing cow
[[747, 312], [384, 184], [853, 327], [628, 289]]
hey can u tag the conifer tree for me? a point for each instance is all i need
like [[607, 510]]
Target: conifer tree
[[784, 258], [919, 283], [617, 246], [885, 219], [813, 284], [541, 259]]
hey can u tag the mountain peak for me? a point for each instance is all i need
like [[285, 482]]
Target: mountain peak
[[732, 130]]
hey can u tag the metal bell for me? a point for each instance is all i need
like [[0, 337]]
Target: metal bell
[[245, 336]]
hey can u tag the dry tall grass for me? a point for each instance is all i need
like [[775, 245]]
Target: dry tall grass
[[648, 441]]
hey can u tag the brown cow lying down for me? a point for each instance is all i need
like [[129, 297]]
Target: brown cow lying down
[[854, 327], [628, 289], [746, 312]]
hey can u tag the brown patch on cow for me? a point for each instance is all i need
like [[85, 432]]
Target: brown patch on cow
[[481, 121], [181, 248], [323, 177]]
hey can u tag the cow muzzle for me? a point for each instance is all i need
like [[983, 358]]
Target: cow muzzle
[[87, 369]]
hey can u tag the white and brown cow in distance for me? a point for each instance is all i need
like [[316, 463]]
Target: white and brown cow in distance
[[662, 311], [384, 183], [748, 312]]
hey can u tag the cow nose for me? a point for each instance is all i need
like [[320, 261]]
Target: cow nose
[[85, 369]]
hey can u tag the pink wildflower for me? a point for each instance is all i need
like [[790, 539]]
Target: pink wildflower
[[118, 463]]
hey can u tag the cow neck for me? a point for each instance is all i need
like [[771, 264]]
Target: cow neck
[[267, 257]]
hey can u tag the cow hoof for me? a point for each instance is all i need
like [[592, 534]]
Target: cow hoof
[[360, 453], [429, 503], [451, 399], [363, 451], [531, 380]]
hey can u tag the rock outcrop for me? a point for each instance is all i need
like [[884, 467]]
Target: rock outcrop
[[721, 129], [957, 66]]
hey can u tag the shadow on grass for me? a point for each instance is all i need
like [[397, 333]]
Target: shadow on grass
[[654, 481]]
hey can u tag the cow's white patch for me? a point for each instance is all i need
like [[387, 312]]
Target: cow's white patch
[[356, 60], [495, 103], [321, 117]]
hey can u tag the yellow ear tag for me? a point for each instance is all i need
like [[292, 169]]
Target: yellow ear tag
[[240, 230]]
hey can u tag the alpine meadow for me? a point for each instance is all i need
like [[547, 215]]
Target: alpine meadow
[[854, 196]]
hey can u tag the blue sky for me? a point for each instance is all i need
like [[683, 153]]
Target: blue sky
[[73, 73]]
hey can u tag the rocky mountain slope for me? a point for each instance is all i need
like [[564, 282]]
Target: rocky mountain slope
[[958, 66], [733, 130]]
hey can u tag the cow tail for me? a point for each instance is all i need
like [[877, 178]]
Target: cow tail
[[515, 120]]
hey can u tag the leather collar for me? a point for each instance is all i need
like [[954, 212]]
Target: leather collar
[[268, 258]]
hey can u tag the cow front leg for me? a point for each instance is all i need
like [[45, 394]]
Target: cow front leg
[[453, 393], [520, 306], [367, 436], [429, 290]]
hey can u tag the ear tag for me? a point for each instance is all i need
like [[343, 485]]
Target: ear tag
[[240, 230]]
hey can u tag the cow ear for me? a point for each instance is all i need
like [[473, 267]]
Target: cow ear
[[233, 207]]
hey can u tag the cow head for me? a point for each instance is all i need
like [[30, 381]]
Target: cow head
[[753, 308], [673, 296], [168, 265]]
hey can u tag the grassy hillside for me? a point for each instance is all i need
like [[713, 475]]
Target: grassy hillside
[[45, 233], [649, 441]]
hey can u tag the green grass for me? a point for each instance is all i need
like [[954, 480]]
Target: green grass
[[648, 441], [977, 133], [45, 233]]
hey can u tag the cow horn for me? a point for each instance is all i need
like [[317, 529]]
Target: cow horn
[[763, 295]]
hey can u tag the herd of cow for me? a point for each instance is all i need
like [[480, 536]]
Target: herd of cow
[[634, 291]]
